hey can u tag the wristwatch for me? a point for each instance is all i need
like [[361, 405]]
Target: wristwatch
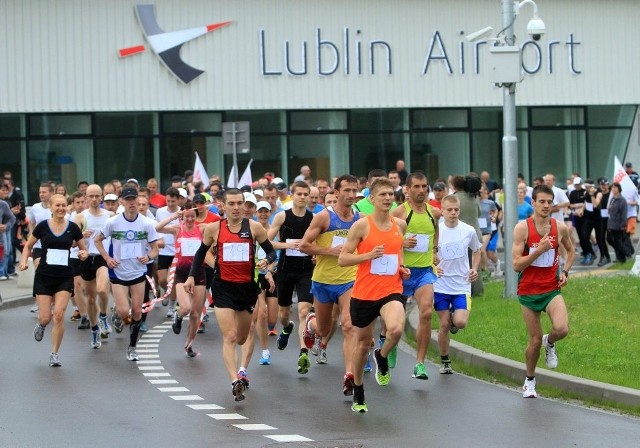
[[566, 273]]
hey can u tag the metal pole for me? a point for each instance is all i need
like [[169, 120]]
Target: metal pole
[[235, 155], [509, 158]]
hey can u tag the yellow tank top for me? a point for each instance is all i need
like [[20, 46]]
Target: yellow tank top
[[327, 269]]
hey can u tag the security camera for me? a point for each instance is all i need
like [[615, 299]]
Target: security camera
[[481, 34], [536, 28]]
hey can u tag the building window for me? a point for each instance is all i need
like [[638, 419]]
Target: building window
[[123, 158], [60, 124], [191, 122], [440, 154], [333, 120], [375, 150], [127, 124], [440, 118], [560, 152]]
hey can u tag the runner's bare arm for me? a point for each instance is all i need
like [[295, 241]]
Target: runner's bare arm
[[319, 224], [274, 229]]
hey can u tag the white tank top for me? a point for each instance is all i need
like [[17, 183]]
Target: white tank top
[[95, 224]]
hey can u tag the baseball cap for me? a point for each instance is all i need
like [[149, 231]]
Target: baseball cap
[[199, 198], [258, 192], [263, 204], [250, 197], [110, 197], [135, 181], [604, 182], [628, 164], [281, 186], [360, 194], [183, 192], [277, 180], [188, 173], [577, 181], [439, 186], [176, 179], [246, 188], [128, 193]]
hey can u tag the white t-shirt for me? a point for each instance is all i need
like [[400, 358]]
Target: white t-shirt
[[169, 248], [453, 245], [37, 214], [559, 197], [129, 240], [95, 225]]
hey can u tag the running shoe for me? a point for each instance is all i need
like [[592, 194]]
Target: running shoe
[[273, 332], [283, 337], [265, 360], [316, 347], [550, 357], [367, 365], [177, 323], [76, 315], [113, 314], [34, 308], [54, 361], [322, 356], [242, 376], [529, 388], [420, 372], [452, 328], [358, 403], [201, 328], [143, 327], [170, 311], [382, 368], [237, 389], [190, 352], [393, 357], [303, 363], [307, 335], [103, 323], [165, 301], [205, 318], [38, 332], [445, 368], [118, 324], [132, 354], [84, 323], [95, 339], [347, 384]]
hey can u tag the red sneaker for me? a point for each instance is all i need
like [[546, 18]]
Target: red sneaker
[[347, 385], [309, 338]]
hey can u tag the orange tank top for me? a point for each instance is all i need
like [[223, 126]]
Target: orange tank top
[[379, 278]]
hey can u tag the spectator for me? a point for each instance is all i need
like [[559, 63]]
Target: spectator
[[305, 172], [617, 222], [402, 172], [628, 167], [156, 199]]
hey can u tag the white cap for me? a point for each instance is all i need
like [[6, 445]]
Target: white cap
[[250, 197], [110, 197], [263, 204], [360, 194], [277, 180], [135, 181], [258, 192], [577, 181], [183, 192]]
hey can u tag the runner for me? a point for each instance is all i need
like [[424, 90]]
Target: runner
[[78, 298], [420, 255], [166, 254], [378, 286], [234, 289], [294, 268], [130, 233], [53, 281], [39, 212], [331, 284], [452, 290], [94, 270], [536, 258]]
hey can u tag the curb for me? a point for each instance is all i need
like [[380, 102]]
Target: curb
[[582, 388], [15, 302]]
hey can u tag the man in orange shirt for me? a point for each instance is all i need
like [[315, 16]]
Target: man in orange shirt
[[378, 287]]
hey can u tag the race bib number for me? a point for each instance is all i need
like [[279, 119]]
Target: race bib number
[[235, 251], [422, 243], [385, 265], [604, 212], [338, 241], [294, 252], [494, 227], [452, 250], [189, 246], [130, 250], [58, 257], [588, 206], [482, 223], [545, 260]]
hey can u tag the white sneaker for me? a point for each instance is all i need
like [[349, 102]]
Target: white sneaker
[[171, 311], [551, 357], [34, 308], [529, 389]]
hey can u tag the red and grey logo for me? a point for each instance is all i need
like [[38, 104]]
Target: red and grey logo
[[167, 45]]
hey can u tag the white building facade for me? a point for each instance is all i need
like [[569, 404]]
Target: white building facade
[[95, 90]]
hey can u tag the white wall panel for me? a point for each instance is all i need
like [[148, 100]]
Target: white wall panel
[[61, 55]]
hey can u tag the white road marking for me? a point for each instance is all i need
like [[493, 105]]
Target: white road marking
[[148, 356], [163, 381], [227, 416], [204, 407], [254, 427], [148, 361], [147, 345], [173, 389], [186, 397], [147, 350], [157, 374], [150, 368], [289, 438]]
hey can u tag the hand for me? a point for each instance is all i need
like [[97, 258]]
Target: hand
[[335, 251], [377, 252], [112, 263], [3, 228], [436, 259], [272, 284], [23, 266], [82, 255], [87, 233], [262, 265], [144, 259], [562, 281], [473, 275], [405, 273], [544, 244], [439, 271], [295, 245], [189, 285], [410, 242]]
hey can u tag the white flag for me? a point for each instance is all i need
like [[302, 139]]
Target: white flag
[[246, 176], [232, 180], [620, 175], [199, 173]]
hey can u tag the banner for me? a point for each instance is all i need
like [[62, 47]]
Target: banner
[[629, 190], [246, 176], [232, 180], [199, 173]]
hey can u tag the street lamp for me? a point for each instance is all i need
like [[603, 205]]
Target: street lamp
[[506, 65]]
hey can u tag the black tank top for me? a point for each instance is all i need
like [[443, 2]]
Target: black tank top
[[294, 227]]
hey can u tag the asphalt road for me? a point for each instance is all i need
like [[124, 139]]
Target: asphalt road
[[98, 398]]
